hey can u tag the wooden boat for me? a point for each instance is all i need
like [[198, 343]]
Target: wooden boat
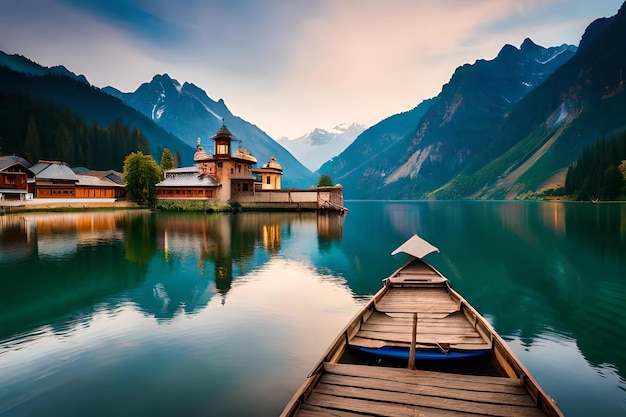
[[419, 348]]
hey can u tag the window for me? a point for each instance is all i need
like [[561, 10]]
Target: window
[[222, 149], [267, 180]]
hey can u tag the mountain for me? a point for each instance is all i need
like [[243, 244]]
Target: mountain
[[411, 154], [320, 145], [582, 101], [22, 64], [189, 113], [57, 86]]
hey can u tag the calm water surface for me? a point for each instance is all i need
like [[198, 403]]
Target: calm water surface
[[144, 314]]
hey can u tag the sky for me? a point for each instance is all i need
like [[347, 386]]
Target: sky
[[289, 66]]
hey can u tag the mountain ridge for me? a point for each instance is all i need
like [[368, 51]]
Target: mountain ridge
[[188, 112], [446, 135]]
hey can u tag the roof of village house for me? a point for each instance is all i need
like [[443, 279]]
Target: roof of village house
[[94, 181], [53, 170], [110, 175], [8, 161], [187, 177]]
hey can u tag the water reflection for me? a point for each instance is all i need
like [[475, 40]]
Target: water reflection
[[536, 270], [72, 260], [197, 291], [66, 262]]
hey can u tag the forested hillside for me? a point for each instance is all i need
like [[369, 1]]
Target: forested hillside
[[91, 105], [600, 172], [37, 131]]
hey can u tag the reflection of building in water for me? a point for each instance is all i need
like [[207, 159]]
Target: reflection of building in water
[[15, 238], [330, 226], [553, 216], [59, 234], [271, 238]]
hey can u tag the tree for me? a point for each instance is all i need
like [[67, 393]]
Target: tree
[[32, 144], [167, 160], [141, 173], [622, 169], [325, 181], [64, 144]]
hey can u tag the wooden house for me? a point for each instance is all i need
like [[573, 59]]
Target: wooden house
[[16, 179], [100, 184], [185, 183], [54, 179]]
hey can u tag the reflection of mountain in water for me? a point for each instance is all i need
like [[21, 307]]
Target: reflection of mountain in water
[[199, 255], [534, 268], [73, 261]]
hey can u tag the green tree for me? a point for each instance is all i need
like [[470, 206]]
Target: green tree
[[64, 144], [32, 144], [325, 181], [167, 160], [141, 173], [622, 169]]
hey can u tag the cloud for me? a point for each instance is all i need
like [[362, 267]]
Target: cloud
[[288, 66]]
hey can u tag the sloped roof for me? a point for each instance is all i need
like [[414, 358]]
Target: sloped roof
[[8, 161], [187, 177], [110, 175], [53, 171], [201, 154], [93, 181]]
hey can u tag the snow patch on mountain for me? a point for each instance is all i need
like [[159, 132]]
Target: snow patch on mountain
[[321, 145]]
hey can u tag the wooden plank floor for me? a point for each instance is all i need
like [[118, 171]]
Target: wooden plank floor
[[439, 321], [351, 390]]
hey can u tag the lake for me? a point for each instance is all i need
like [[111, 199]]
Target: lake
[[131, 313]]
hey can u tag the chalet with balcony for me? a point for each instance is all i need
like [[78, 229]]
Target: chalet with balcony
[[16, 179]]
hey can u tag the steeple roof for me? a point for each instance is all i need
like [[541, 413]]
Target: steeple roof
[[223, 133]]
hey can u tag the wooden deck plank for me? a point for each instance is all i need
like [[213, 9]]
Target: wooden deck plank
[[478, 393], [398, 318], [428, 328], [402, 400], [375, 408], [373, 343], [308, 410], [422, 337], [413, 376]]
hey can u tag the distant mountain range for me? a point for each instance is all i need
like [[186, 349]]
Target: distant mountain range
[[189, 113], [320, 145], [170, 115], [411, 154], [500, 129]]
